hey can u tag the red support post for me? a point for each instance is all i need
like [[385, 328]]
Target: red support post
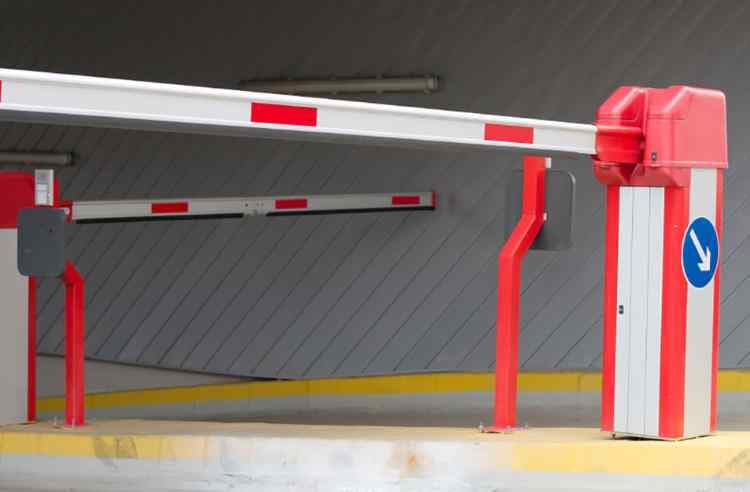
[[31, 361], [509, 291], [74, 346]]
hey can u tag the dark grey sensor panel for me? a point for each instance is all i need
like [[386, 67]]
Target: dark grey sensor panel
[[41, 242], [559, 198]]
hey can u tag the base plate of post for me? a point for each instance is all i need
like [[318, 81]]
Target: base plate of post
[[494, 429]]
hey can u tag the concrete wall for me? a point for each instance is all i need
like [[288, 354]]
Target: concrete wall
[[371, 293]]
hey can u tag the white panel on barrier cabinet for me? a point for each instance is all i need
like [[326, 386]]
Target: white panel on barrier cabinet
[[13, 333], [700, 315], [622, 332], [638, 312], [638, 331], [654, 314]]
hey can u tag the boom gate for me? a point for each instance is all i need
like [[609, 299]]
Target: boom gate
[[659, 152]]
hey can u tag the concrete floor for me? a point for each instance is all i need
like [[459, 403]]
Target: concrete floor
[[161, 455]]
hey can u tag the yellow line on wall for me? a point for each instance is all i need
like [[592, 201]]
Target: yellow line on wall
[[552, 381]]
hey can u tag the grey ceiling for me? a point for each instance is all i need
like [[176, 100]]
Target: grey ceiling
[[370, 293]]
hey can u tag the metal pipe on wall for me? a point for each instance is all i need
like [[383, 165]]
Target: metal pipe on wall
[[37, 158], [425, 84]]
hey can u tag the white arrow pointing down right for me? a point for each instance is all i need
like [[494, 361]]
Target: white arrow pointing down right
[[705, 255]]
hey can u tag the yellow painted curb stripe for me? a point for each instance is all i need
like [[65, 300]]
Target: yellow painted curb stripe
[[567, 381], [146, 447], [722, 456]]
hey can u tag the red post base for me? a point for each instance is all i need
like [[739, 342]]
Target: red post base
[[74, 346], [509, 292]]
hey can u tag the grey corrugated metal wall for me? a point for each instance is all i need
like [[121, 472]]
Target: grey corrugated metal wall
[[372, 293]]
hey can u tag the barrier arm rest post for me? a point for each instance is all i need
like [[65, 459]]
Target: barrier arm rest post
[[509, 291], [74, 345]]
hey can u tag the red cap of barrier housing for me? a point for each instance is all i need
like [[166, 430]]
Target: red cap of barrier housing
[[650, 137]]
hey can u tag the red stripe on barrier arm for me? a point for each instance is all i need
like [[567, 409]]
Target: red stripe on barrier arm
[[289, 203], [508, 133], [1, 90], [282, 114], [405, 200], [169, 208]]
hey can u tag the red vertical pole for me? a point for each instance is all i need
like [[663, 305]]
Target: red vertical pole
[[674, 315], [717, 296], [611, 250], [74, 345], [509, 291], [31, 361]]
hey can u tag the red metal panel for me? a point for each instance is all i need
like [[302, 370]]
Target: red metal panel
[[169, 208], [290, 203], [619, 134], [31, 361], [610, 307], [405, 200], [686, 128], [507, 133], [17, 193], [74, 346], [717, 297], [509, 292], [282, 114], [674, 314]]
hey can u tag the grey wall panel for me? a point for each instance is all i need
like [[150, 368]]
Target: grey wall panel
[[359, 342], [260, 338], [394, 330], [263, 280], [181, 332], [585, 351], [569, 326], [369, 293]]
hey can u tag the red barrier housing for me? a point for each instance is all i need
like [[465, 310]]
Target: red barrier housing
[[661, 155]]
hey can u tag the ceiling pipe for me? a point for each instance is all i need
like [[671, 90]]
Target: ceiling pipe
[[378, 85], [37, 158]]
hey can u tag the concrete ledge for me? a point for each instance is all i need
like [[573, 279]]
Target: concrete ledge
[[152, 455]]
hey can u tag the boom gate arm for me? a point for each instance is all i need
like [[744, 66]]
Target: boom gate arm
[[92, 211], [39, 97]]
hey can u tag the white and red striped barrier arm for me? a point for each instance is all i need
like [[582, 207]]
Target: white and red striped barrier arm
[[205, 208], [71, 99]]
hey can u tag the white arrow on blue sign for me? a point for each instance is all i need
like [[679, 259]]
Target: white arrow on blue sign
[[700, 252]]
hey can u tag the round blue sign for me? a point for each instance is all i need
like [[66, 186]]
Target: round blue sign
[[700, 252]]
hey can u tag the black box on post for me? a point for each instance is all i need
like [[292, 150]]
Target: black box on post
[[41, 242], [559, 203]]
